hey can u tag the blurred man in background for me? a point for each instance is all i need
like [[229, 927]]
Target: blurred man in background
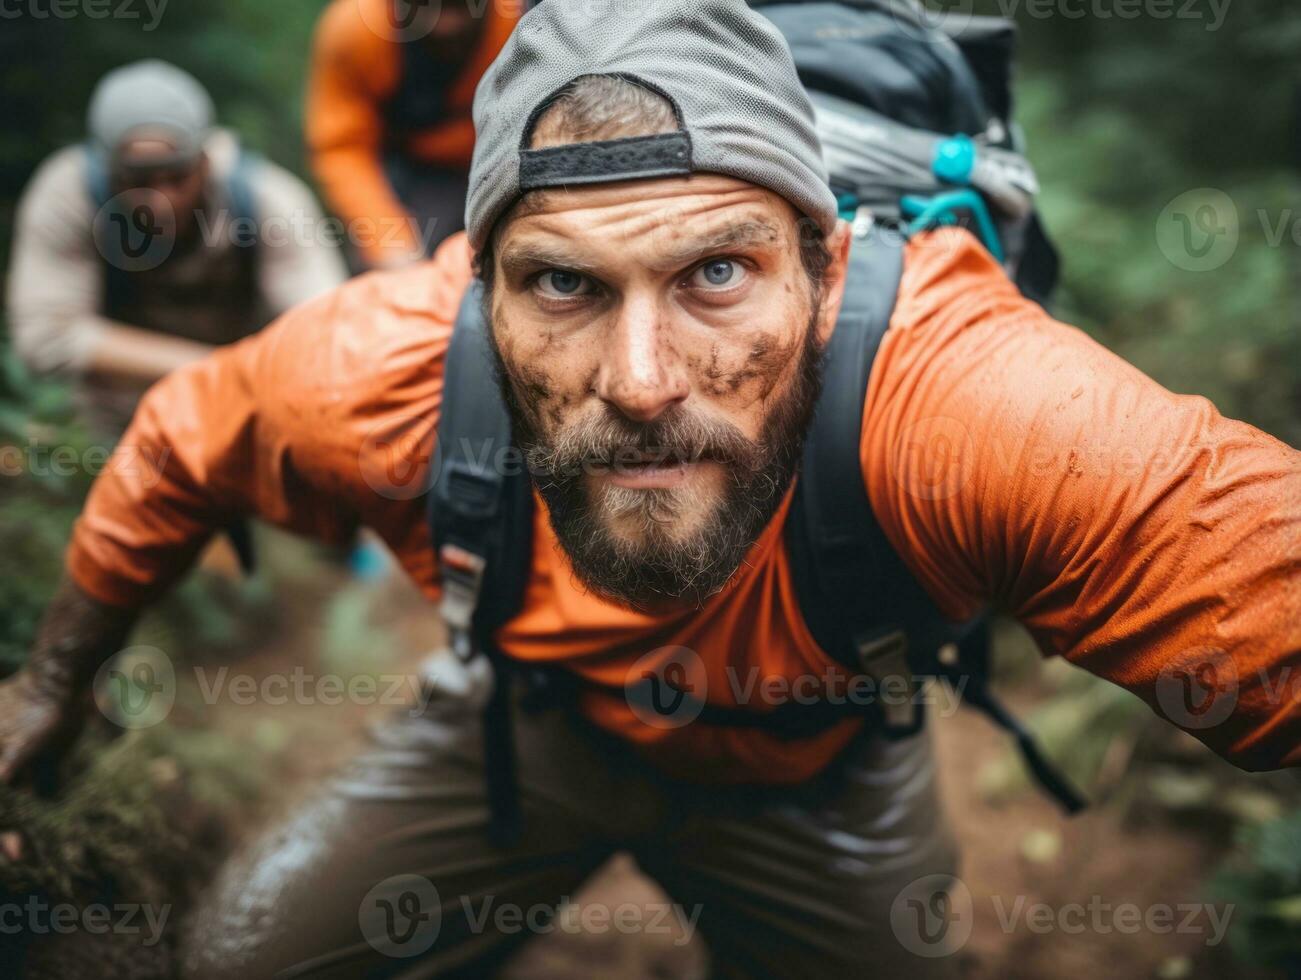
[[145, 248], [388, 117]]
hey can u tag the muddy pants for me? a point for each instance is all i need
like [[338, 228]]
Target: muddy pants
[[390, 871]]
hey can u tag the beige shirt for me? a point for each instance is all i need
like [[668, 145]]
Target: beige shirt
[[57, 274]]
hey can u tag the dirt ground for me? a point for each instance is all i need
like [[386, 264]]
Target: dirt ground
[[1019, 851]]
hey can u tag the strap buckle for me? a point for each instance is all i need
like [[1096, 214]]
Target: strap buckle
[[462, 573], [884, 658]]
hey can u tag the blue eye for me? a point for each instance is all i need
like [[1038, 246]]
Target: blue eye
[[562, 282], [716, 273]]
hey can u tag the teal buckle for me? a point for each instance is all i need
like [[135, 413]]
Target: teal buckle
[[942, 210], [847, 205]]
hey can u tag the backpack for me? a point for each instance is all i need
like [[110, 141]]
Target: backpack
[[914, 111], [481, 512]]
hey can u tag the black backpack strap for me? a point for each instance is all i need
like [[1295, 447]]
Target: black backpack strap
[[859, 600], [482, 520], [116, 287], [243, 205], [854, 591]]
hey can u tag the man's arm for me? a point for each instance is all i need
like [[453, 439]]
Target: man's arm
[[297, 260], [321, 422], [55, 285], [351, 66], [1136, 532]]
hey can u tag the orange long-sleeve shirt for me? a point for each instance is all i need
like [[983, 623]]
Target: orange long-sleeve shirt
[[356, 69], [1010, 459]]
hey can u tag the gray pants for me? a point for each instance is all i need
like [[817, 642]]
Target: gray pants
[[386, 873]]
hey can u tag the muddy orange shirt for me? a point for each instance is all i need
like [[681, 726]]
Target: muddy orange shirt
[[1010, 459], [356, 71]]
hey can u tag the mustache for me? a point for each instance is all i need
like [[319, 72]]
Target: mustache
[[611, 441]]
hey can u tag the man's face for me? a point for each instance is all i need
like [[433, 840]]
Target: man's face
[[148, 171], [659, 347]]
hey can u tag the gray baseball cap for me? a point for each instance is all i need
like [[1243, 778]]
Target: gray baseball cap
[[150, 96], [726, 69]]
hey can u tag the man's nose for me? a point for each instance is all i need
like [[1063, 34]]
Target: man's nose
[[641, 373]]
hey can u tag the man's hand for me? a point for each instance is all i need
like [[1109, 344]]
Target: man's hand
[[31, 721], [43, 706]]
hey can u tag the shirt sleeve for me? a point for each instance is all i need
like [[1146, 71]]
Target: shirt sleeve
[[299, 261], [55, 273], [351, 68], [320, 423], [1012, 460]]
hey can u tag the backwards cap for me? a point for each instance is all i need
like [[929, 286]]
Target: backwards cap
[[725, 68]]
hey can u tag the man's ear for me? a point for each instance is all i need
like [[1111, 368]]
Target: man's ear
[[833, 281]]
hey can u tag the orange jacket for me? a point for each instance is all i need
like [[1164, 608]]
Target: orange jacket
[[1010, 459], [356, 69]]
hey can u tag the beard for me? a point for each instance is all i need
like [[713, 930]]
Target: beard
[[654, 561]]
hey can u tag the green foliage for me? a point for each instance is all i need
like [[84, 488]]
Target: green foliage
[[142, 814], [1082, 724], [249, 54], [37, 506], [1122, 117], [1263, 882]]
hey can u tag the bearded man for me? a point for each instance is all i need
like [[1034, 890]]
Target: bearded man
[[662, 265]]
